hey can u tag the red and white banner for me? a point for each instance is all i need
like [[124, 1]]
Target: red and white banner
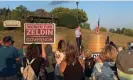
[[39, 32]]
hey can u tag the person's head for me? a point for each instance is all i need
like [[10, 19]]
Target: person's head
[[120, 48], [61, 46], [109, 53], [98, 58], [33, 51], [113, 44], [25, 46], [78, 27], [8, 41], [71, 54]]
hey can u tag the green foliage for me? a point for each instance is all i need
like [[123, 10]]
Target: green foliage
[[103, 29], [4, 12], [124, 31], [59, 11], [112, 30], [82, 16], [85, 25], [67, 17], [1, 26], [128, 32], [67, 20], [20, 13], [118, 31]]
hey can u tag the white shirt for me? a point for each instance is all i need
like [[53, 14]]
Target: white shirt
[[77, 33], [59, 57], [132, 44]]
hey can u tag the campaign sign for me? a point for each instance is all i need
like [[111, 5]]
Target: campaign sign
[[38, 33]]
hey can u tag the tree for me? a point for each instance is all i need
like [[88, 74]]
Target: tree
[[4, 13], [67, 20], [103, 29], [122, 30], [82, 16], [128, 32], [20, 13], [112, 30], [59, 11], [85, 25], [118, 31], [41, 13]]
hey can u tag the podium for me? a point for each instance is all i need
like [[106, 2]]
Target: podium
[[96, 42]]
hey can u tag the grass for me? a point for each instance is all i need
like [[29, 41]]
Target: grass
[[69, 34]]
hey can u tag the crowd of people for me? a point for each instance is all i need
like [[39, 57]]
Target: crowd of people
[[69, 62]]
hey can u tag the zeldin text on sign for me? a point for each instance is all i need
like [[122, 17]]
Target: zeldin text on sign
[[39, 32]]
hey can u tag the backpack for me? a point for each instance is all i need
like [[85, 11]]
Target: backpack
[[28, 73]]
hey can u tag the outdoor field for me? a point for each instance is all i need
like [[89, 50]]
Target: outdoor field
[[69, 34]]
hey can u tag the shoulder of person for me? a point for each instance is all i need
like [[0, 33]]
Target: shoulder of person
[[12, 47], [82, 62], [40, 59], [63, 62]]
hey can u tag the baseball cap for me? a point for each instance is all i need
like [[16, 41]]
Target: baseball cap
[[7, 39]]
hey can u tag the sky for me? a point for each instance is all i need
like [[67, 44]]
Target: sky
[[113, 14]]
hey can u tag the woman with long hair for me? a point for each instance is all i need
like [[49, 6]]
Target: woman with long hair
[[72, 67], [33, 54], [59, 56], [104, 67]]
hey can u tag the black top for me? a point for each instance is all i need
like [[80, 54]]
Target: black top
[[74, 72], [36, 64]]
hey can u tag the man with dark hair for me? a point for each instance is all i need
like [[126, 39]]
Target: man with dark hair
[[8, 57]]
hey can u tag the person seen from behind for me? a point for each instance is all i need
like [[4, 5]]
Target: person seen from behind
[[105, 61], [59, 56], [51, 62], [72, 68], [8, 57], [124, 64], [34, 58]]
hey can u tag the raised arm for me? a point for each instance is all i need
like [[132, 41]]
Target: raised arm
[[0, 42], [43, 51]]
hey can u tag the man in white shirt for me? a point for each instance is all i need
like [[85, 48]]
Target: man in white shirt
[[131, 45], [78, 37]]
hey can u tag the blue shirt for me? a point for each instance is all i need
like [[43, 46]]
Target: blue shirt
[[8, 57]]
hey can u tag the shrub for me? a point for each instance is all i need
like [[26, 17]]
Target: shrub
[[103, 29], [67, 20], [85, 25], [1, 26]]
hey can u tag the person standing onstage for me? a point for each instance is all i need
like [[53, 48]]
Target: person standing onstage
[[59, 56], [72, 68], [78, 37], [8, 57]]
